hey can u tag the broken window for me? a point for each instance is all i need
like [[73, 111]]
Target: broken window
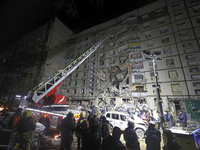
[[83, 82], [69, 83], [147, 34], [167, 50], [173, 74], [139, 88], [146, 25], [195, 69], [163, 30], [165, 40], [161, 20], [175, 87], [67, 91], [154, 88], [170, 62]]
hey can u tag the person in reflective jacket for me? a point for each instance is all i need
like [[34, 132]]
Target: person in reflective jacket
[[183, 119]]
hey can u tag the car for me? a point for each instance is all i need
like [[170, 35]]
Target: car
[[121, 120]]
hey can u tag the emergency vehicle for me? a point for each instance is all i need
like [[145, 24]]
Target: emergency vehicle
[[45, 93], [51, 117]]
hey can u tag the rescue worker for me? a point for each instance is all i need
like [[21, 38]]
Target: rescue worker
[[95, 134], [105, 127], [67, 128], [78, 134], [143, 117], [113, 142], [153, 137], [148, 115], [15, 118], [183, 119], [170, 118], [25, 128], [131, 138], [85, 135]]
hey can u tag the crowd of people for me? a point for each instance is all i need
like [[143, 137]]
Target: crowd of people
[[94, 134], [93, 131]]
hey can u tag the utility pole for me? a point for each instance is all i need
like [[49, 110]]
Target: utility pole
[[153, 55]]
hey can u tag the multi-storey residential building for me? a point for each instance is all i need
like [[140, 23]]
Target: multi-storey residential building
[[118, 72]]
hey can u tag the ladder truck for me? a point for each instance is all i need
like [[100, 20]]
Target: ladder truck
[[45, 92]]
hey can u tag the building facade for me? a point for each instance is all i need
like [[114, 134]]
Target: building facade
[[117, 71]]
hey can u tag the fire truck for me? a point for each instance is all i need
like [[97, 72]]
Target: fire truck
[[51, 117], [49, 108]]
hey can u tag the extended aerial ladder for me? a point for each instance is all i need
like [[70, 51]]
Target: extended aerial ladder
[[49, 87]]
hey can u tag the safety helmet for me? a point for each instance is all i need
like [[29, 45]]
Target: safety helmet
[[27, 113]]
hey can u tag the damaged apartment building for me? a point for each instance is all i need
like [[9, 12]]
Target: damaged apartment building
[[117, 71]]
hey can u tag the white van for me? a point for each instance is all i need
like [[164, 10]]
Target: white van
[[121, 119]]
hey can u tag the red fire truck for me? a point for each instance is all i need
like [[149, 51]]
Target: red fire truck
[[51, 117]]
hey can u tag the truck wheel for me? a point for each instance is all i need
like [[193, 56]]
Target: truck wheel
[[140, 133]]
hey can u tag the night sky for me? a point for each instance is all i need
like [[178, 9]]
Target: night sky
[[20, 17]]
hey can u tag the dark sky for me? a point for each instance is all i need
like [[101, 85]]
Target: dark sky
[[20, 17]]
